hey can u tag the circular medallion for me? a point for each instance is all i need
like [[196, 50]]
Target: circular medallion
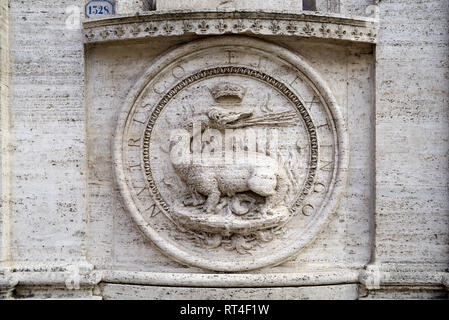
[[230, 153]]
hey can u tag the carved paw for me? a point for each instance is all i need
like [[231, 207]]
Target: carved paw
[[266, 212], [194, 201], [210, 209], [221, 205]]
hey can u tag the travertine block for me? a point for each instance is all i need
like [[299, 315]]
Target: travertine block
[[89, 172], [235, 4]]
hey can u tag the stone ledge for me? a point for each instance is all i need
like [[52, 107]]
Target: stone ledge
[[69, 276], [372, 278], [7, 282], [377, 276], [213, 22], [232, 280], [110, 291]]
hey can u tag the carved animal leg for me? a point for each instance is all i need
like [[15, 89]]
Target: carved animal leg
[[264, 184], [283, 185], [212, 201], [223, 203], [196, 199]]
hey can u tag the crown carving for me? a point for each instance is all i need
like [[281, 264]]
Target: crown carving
[[228, 92]]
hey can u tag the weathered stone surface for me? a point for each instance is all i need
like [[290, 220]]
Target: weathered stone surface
[[412, 132], [272, 188], [125, 292], [330, 244], [62, 89], [46, 135], [202, 22], [133, 6], [4, 130], [235, 4]]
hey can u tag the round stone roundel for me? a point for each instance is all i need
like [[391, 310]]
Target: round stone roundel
[[230, 153]]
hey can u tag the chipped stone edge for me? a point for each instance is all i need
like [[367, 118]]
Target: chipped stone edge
[[80, 276], [8, 282], [384, 276], [213, 22]]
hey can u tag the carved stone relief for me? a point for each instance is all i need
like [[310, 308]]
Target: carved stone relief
[[230, 153], [158, 24]]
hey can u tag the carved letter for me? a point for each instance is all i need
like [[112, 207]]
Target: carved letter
[[307, 210], [134, 143]]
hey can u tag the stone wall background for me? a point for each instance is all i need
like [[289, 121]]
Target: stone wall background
[[45, 167], [412, 130], [4, 118], [47, 134]]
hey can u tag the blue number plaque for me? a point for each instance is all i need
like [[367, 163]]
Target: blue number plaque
[[99, 8]]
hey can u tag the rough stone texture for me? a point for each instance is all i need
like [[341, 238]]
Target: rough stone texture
[[359, 7], [352, 7], [131, 6], [396, 293], [46, 134], [61, 206], [125, 292], [412, 129], [305, 24], [4, 118], [4, 129], [327, 5], [236, 4]]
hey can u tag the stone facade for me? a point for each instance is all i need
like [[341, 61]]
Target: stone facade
[[354, 205]]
